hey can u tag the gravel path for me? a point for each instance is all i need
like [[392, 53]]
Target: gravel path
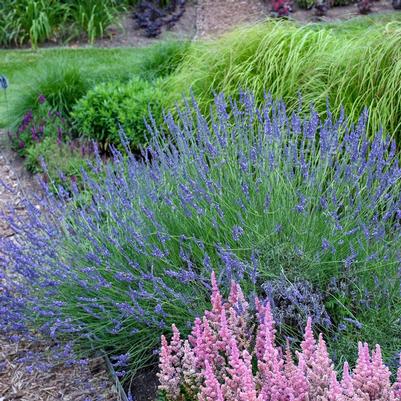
[[39, 379]]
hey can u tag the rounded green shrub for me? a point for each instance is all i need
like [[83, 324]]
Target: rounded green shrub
[[105, 108]]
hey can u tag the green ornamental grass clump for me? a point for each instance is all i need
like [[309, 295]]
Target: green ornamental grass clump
[[352, 64], [61, 82], [101, 113]]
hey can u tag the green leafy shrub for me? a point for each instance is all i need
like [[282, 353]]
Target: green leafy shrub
[[101, 112]]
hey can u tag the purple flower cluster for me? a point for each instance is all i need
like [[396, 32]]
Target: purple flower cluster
[[248, 191], [35, 127]]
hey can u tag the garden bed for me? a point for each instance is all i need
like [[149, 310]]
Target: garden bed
[[132, 253]]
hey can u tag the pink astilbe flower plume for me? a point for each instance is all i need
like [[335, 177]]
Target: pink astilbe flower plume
[[176, 347], [308, 345], [320, 372], [349, 393], [363, 370], [168, 376], [238, 316], [335, 391], [380, 381], [222, 360], [266, 327], [192, 377], [289, 365], [224, 334], [238, 379], [217, 302], [248, 391], [211, 389], [298, 381]]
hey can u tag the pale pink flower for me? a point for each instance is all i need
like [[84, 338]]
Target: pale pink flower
[[308, 345], [211, 389], [297, 381], [266, 327], [320, 372], [168, 376], [217, 302]]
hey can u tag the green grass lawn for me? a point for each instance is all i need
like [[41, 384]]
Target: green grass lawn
[[19, 66]]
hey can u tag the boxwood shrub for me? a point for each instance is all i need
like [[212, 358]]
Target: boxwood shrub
[[101, 113]]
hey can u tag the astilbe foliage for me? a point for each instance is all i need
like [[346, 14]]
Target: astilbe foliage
[[250, 193], [225, 371]]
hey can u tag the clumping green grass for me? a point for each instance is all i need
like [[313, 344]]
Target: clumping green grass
[[352, 64]]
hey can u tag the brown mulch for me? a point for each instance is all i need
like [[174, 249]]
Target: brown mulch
[[39, 377], [215, 17]]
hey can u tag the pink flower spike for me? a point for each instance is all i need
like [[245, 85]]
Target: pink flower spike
[[217, 302], [233, 297], [176, 346], [335, 392], [308, 345], [320, 371], [289, 366], [266, 328], [298, 382], [168, 378], [211, 389], [346, 382], [224, 333]]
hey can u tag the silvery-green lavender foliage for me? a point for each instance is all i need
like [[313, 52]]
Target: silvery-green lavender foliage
[[293, 302], [251, 193]]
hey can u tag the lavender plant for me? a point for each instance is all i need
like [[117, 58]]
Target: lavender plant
[[253, 194]]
